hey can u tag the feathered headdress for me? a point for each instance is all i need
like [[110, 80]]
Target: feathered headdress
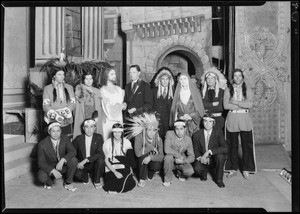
[[162, 72], [221, 81], [139, 124]]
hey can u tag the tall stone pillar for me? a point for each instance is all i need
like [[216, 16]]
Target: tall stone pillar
[[49, 33], [92, 33]]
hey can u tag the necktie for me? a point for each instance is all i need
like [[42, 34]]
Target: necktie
[[57, 152], [207, 140], [165, 93], [133, 87]]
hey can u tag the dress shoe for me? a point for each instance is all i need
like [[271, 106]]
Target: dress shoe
[[221, 184], [203, 178], [231, 174], [246, 175]]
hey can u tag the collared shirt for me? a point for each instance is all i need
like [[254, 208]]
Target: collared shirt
[[88, 142], [55, 143], [135, 81], [207, 132], [238, 92]]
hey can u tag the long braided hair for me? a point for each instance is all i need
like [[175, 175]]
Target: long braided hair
[[244, 87], [117, 125]]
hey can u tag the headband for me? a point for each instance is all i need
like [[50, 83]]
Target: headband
[[89, 122], [117, 130], [53, 124], [209, 73], [179, 123], [209, 118]]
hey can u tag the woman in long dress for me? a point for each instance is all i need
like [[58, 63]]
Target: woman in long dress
[[119, 162], [88, 104], [187, 104], [112, 102]]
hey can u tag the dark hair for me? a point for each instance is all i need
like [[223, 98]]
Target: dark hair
[[117, 125], [135, 66], [209, 115], [88, 73], [244, 87], [105, 76]]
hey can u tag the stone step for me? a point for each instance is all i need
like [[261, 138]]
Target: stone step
[[9, 140], [17, 151], [14, 169]]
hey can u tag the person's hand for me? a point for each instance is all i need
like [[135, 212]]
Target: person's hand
[[215, 103], [118, 174], [203, 160], [155, 151], [179, 160], [146, 160], [187, 117], [56, 174], [60, 164], [80, 165], [130, 111], [124, 105]]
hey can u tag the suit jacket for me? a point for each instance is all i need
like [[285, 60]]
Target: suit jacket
[[217, 143], [173, 147], [96, 147], [47, 158], [141, 99]]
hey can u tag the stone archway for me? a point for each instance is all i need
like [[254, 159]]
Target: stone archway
[[193, 50]]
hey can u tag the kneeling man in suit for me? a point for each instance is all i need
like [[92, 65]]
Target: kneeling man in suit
[[210, 150]]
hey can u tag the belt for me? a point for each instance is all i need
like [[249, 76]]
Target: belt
[[240, 111], [216, 114]]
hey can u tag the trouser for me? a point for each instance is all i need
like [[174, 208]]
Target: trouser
[[186, 170], [148, 170], [96, 169], [67, 170], [248, 156], [217, 165]]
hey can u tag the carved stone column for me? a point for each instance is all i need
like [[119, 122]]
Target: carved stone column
[[49, 33]]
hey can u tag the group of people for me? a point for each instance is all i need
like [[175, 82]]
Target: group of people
[[126, 136]]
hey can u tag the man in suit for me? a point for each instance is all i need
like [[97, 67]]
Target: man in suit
[[138, 94], [56, 156], [210, 151], [179, 153], [89, 154]]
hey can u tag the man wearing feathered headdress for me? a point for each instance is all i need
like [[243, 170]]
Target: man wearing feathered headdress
[[162, 98], [148, 146], [213, 86]]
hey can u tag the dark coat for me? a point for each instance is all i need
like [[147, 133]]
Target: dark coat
[[163, 107], [217, 143], [141, 99], [47, 158], [96, 147]]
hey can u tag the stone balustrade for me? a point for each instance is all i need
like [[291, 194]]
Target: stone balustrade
[[170, 27]]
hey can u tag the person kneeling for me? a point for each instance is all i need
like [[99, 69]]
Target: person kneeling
[[89, 154], [56, 156], [179, 153], [210, 150]]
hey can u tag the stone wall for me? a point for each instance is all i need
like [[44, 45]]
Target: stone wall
[[16, 55], [154, 32], [263, 52]]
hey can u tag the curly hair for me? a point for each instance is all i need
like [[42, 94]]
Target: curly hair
[[88, 73]]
